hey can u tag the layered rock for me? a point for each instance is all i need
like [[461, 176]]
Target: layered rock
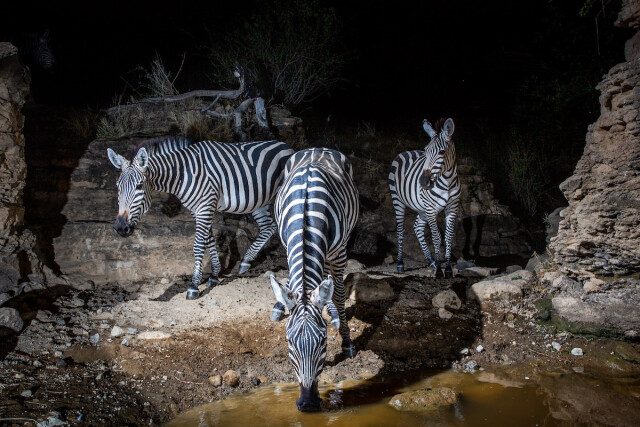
[[600, 229], [16, 256]]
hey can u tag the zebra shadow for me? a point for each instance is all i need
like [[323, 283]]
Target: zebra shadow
[[406, 333]]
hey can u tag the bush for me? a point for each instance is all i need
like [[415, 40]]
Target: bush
[[288, 48]]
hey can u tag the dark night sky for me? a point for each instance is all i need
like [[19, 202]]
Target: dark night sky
[[405, 57]]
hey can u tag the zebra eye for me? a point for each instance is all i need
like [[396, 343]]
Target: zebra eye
[[139, 186], [441, 152]]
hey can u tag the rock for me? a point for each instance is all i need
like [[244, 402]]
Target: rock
[[552, 222], [445, 314], [132, 331], [479, 349], [464, 351], [556, 345], [354, 266], [153, 335], [424, 400], [215, 380], [231, 378], [478, 272], [4, 297], [509, 287], [117, 332], [37, 364], [446, 299], [627, 352], [577, 351], [537, 263], [366, 289], [10, 318], [94, 339], [263, 379], [26, 393], [512, 269], [462, 264], [124, 342], [389, 260], [164, 281], [592, 285], [255, 381], [565, 283], [470, 366]]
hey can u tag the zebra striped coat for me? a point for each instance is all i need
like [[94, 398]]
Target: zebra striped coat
[[316, 210], [426, 181], [207, 177]]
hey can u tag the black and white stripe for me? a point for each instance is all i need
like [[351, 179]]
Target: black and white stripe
[[35, 49], [316, 210], [207, 177], [426, 181]]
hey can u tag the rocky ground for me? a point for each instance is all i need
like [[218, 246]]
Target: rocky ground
[[141, 353]]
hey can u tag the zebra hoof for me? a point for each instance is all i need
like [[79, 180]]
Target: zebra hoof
[[349, 351], [192, 294], [277, 312], [400, 268], [213, 281], [244, 267]]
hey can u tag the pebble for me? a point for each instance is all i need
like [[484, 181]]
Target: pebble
[[577, 351], [26, 393], [18, 376], [231, 378], [479, 349], [471, 366], [124, 342], [556, 345], [37, 363], [255, 381], [215, 380], [132, 331], [445, 314], [57, 353], [117, 332], [94, 339], [464, 351], [153, 335], [164, 281]]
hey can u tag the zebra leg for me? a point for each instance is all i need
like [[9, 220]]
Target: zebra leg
[[431, 218], [418, 227], [203, 230], [337, 270], [399, 209], [267, 227], [450, 229], [215, 261]]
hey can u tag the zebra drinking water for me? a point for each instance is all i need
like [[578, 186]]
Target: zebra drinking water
[[316, 210], [426, 181], [207, 177]]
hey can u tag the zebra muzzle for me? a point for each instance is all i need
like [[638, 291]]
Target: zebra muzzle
[[122, 227]]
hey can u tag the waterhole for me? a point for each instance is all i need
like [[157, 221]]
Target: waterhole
[[486, 399]]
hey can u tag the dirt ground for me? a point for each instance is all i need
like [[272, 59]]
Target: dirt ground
[[66, 365]]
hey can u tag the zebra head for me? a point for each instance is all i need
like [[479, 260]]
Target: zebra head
[[133, 190], [306, 332], [43, 54], [436, 152]]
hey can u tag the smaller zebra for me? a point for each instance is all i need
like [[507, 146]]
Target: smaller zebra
[[426, 181], [316, 210], [35, 49]]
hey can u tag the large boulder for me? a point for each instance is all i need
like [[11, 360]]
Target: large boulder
[[16, 256]]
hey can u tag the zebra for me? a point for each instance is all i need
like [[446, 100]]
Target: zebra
[[207, 177], [426, 181], [316, 210], [35, 49]]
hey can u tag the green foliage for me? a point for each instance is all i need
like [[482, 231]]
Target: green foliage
[[288, 47]]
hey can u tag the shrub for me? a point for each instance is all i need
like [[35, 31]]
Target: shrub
[[288, 48]]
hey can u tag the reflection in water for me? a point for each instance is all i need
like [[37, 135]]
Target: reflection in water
[[487, 399]]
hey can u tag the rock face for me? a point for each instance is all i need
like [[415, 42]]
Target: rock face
[[424, 400], [509, 287], [16, 256], [600, 229]]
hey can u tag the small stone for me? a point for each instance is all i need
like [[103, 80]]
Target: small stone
[[578, 369], [556, 345], [117, 332], [60, 363], [577, 351], [124, 342], [464, 351], [94, 339], [255, 381], [132, 331], [164, 281], [153, 335], [512, 269], [4, 297], [10, 318], [263, 379], [510, 317], [215, 380], [57, 353], [424, 400], [18, 376], [26, 393], [592, 285], [445, 314], [231, 378], [446, 299], [470, 366], [37, 363], [479, 349], [388, 260]]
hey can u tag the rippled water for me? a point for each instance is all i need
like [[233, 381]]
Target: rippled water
[[488, 399]]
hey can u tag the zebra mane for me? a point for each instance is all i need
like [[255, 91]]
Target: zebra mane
[[439, 124], [163, 145]]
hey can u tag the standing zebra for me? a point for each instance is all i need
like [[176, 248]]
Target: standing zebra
[[427, 182], [35, 49], [316, 210], [207, 177]]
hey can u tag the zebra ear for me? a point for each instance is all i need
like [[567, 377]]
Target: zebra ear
[[281, 293], [116, 159], [323, 293], [448, 128], [142, 158], [428, 128]]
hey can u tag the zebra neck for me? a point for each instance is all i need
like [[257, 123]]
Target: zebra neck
[[163, 178]]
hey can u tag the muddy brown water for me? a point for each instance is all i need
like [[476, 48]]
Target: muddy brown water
[[486, 399]]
